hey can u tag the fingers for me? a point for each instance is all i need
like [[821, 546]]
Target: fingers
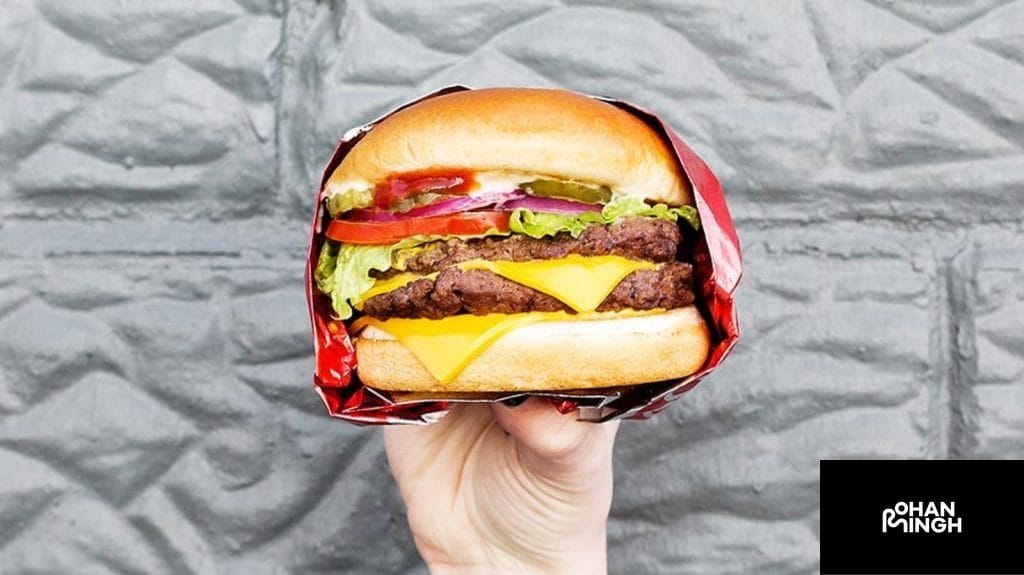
[[452, 437], [557, 440]]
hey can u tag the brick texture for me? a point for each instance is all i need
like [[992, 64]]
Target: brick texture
[[157, 166]]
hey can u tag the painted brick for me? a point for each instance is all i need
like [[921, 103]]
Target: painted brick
[[997, 322], [153, 112]]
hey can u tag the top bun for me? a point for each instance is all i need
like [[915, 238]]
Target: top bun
[[542, 132]]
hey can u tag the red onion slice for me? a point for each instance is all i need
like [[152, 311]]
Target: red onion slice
[[506, 200], [551, 206], [464, 203], [444, 207]]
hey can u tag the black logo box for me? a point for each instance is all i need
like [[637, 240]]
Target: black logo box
[[989, 501]]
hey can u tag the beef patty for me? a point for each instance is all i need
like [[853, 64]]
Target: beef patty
[[651, 239], [482, 292]]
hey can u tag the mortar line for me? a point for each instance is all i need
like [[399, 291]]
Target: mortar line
[[277, 83], [938, 437], [962, 355]]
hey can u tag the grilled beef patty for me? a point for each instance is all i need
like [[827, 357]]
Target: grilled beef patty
[[481, 292], [651, 239]]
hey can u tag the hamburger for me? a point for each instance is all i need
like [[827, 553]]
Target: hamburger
[[512, 239]]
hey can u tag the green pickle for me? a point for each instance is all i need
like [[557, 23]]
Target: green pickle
[[569, 190], [416, 201], [349, 200]]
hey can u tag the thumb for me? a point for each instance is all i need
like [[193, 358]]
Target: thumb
[[556, 443]]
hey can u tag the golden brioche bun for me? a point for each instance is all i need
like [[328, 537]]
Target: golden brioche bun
[[553, 356], [543, 132]]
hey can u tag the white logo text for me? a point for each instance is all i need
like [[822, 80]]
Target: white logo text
[[921, 517]]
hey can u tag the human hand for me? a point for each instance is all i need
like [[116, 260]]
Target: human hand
[[499, 489]]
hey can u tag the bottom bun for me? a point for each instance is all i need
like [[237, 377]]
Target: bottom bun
[[555, 355]]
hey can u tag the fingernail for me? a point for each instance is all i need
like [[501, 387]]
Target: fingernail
[[515, 401]]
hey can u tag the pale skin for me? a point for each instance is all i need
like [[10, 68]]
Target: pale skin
[[499, 489]]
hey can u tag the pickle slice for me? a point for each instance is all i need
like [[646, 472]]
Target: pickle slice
[[570, 190], [416, 201], [349, 200]]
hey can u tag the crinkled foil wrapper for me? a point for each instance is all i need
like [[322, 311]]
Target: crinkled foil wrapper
[[717, 268]]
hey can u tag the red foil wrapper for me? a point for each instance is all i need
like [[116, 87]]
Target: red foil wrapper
[[717, 269]]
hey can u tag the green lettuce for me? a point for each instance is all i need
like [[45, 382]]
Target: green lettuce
[[344, 272], [539, 225]]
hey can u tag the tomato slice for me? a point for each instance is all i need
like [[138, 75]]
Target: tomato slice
[[461, 224], [399, 187]]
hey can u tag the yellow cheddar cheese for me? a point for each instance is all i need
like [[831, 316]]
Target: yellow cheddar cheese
[[579, 282]]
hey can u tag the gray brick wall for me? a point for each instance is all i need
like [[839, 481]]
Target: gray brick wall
[[157, 163]]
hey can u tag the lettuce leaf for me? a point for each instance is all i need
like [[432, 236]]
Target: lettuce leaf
[[344, 272], [323, 275], [539, 225]]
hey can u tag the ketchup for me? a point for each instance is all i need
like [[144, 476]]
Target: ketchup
[[400, 186]]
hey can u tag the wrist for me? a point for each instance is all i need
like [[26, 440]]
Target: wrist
[[582, 566], [577, 558]]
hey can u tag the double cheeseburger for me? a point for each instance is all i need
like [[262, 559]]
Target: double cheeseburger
[[512, 240]]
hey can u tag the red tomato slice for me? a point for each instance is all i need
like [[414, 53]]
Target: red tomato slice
[[463, 224], [402, 186]]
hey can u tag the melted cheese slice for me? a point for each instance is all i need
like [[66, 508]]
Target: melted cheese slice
[[581, 283], [446, 346]]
